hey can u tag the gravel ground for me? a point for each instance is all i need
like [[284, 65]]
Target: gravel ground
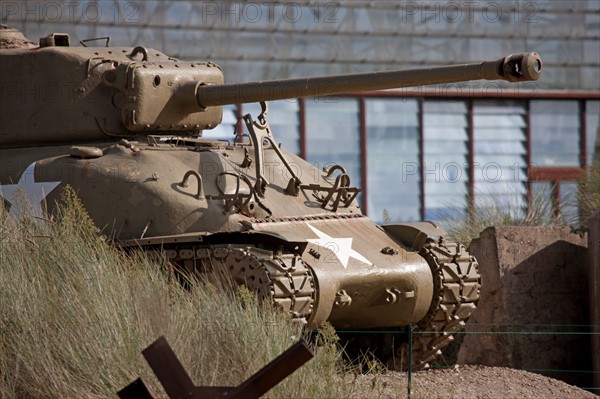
[[466, 382]]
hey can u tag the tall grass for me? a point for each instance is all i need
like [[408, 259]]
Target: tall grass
[[540, 212], [588, 194], [574, 211], [75, 314]]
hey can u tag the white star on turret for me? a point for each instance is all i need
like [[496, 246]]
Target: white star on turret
[[341, 247], [27, 195]]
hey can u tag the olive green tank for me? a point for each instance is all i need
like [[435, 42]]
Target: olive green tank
[[122, 125]]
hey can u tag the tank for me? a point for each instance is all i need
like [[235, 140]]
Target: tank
[[123, 126]]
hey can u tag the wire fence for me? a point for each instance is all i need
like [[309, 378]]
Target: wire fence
[[563, 350], [567, 345], [177, 383]]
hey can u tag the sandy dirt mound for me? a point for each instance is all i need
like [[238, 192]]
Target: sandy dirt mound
[[466, 382]]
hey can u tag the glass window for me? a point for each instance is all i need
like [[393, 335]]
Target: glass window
[[333, 135], [555, 133], [592, 123], [500, 167], [254, 110], [445, 158], [542, 190], [569, 204], [543, 202], [284, 119], [393, 160], [225, 130]]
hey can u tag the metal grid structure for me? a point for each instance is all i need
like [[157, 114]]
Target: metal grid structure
[[502, 147], [275, 39]]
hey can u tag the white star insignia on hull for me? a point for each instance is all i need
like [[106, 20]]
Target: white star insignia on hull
[[341, 247], [27, 195]]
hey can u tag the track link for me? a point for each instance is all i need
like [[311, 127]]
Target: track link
[[282, 279], [286, 281], [456, 292]]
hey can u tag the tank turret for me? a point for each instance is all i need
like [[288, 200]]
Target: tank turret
[[121, 126], [68, 94]]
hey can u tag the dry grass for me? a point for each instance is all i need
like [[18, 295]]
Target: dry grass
[[539, 213], [75, 314], [573, 212], [589, 192]]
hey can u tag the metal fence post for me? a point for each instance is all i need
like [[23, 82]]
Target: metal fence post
[[594, 281], [410, 349]]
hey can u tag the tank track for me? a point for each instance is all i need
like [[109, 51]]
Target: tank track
[[456, 293], [286, 281], [281, 279]]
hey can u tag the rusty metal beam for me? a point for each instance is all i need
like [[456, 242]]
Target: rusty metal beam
[[178, 384], [555, 173], [363, 154], [136, 390], [528, 154], [421, 116], [168, 369], [471, 160], [302, 117], [274, 372], [594, 279]]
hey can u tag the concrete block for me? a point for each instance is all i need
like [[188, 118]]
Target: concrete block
[[534, 289]]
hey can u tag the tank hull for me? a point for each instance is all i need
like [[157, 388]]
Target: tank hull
[[363, 278]]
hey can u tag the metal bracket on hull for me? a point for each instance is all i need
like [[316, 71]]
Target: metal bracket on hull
[[259, 133]]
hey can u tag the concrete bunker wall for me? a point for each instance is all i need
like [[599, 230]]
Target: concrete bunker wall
[[535, 284]]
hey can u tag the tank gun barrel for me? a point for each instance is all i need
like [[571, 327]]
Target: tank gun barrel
[[512, 68]]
